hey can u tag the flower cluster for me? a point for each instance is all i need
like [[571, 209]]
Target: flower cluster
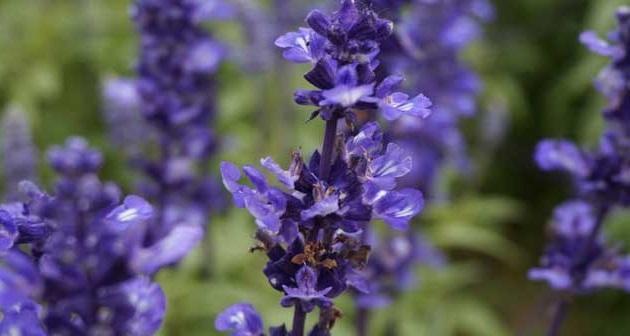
[[311, 228], [175, 96], [19, 157], [429, 41], [344, 49], [81, 253], [577, 260]]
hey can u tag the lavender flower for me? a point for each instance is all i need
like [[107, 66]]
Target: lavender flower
[[87, 261], [577, 260], [428, 45], [311, 227], [19, 159], [344, 49], [175, 96]]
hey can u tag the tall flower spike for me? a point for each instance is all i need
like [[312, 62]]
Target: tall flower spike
[[577, 260], [17, 152], [175, 96], [310, 227], [81, 253], [344, 49], [427, 45]]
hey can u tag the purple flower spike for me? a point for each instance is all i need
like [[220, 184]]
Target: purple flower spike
[[76, 255], [427, 47], [240, 319], [344, 49], [311, 226], [306, 293], [578, 260], [171, 105]]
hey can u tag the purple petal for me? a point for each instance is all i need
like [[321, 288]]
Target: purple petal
[[397, 208], [8, 231], [573, 219], [171, 249], [562, 155], [205, 57], [267, 209], [324, 207], [319, 22], [284, 176], [388, 85], [599, 46], [369, 140], [241, 319], [396, 162], [345, 96], [256, 177], [557, 279], [134, 210], [231, 175]]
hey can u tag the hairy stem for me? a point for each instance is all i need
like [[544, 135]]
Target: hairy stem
[[330, 135], [558, 317], [299, 318], [363, 321]]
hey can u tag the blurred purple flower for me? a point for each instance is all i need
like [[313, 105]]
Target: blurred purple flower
[[82, 263], [17, 151]]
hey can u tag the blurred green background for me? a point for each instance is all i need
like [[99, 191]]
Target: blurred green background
[[56, 53]]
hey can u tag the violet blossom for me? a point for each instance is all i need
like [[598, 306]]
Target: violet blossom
[[80, 252], [311, 226], [174, 98]]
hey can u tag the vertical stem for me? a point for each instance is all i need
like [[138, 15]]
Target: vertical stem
[[363, 321], [299, 319], [563, 304], [330, 135], [558, 317]]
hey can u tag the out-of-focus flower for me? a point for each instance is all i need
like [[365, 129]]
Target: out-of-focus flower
[[17, 152], [427, 46], [577, 259], [87, 255]]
